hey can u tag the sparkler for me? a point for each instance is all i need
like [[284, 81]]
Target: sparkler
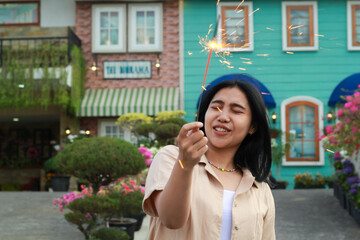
[[212, 45]]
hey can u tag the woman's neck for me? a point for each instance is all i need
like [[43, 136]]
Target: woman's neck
[[221, 157]]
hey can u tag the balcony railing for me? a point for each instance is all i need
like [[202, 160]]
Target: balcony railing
[[38, 51]]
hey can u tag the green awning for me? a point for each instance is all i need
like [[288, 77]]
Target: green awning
[[115, 102]]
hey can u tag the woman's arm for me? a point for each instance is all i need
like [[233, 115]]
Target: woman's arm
[[269, 220], [173, 203]]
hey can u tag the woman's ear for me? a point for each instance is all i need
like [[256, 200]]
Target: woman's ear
[[252, 130]]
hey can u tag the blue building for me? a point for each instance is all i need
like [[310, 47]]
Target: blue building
[[303, 55]]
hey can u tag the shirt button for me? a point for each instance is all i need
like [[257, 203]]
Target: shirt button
[[236, 228]]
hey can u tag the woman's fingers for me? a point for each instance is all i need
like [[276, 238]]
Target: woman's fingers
[[198, 148], [189, 128], [192, 143]]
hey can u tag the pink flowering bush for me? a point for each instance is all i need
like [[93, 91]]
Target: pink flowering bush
[[345, 135], [66, 200], [147, 154], [90, 211]]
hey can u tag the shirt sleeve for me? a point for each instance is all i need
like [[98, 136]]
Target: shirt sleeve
[[158, 176], [269, 219]]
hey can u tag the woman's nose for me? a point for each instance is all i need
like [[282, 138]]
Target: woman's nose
[[223, 116]]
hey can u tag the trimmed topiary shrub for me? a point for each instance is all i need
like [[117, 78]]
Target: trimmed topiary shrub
[[100, 160], [178, 121], [167, 132], [145, 129], [111, 234]]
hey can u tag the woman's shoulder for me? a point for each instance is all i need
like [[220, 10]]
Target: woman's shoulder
[[171, 150], [263, 186], [264, 189], [168, 153]]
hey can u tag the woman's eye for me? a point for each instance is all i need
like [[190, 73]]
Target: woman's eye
[[237, 111]]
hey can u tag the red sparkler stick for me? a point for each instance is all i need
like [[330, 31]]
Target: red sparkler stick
[[206, 69]]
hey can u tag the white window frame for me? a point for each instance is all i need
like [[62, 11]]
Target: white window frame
[[102, 124], [158, 41], [285, 46], [250, 47], [351, 47], [320, 105], [95, 30]]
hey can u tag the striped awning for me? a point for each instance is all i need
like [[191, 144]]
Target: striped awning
[[115, 102]]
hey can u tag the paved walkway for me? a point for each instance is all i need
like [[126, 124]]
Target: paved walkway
[[301, 215]]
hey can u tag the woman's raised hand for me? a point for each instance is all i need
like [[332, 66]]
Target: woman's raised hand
[[192, 144]]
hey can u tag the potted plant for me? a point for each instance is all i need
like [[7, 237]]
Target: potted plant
[[100, 161], [278, 151], [307, 180], [127, 197], [57, 179], [274, 132]]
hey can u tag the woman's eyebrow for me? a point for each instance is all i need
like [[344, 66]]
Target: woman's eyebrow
[[237, 105], [232, 104], [217, 101]]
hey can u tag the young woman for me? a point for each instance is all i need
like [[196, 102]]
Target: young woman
[[211, 186]]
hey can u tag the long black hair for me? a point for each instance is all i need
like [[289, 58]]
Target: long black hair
[[254, 153]]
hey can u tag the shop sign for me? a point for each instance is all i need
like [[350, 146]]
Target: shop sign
[[127, 69]]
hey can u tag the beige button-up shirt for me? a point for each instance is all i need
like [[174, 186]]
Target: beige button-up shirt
[[253, 210]]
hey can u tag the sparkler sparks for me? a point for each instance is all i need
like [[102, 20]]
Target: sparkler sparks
[[239, 5], [330, 150], [181, 164], [270, 29], [290, 52], [214, 45], [190, 53], [219, 109], [254, 11], [242, 68], [293, 27]]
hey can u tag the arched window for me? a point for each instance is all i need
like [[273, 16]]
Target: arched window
[[301, 122]]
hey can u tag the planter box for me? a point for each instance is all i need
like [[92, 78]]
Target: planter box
[[348, 204], [60, 183], [337, 190], [126, 224], [355, 213], [139, 218], [342, 199]]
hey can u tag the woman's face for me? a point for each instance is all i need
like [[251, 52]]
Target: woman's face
[[228, 119]]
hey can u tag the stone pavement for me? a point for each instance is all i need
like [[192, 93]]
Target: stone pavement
[[300, 215]]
